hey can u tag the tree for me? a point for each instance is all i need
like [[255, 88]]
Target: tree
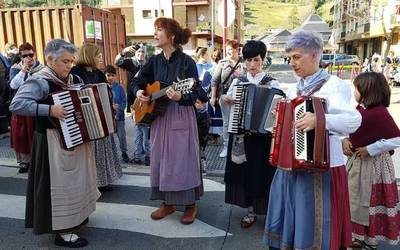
[[294, 20], [38, 3]]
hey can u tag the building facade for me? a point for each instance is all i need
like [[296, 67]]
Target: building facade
[[197, 15], [365, 27], [140, 16]]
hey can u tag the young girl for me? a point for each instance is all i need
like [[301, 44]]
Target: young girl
[[374, 199]]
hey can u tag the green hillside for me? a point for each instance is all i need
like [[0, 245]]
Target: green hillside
[[263, 14]]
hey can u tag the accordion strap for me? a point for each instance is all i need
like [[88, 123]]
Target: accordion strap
[[320, 131], [316, 88]]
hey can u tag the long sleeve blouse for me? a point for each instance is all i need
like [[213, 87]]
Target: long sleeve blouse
[[119, 97], [384, 145], [341, 117], [26, 100], [179, 67]]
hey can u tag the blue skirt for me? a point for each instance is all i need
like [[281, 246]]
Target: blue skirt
[[298, 214]]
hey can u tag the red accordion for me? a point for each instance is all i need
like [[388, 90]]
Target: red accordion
[[293, 149]]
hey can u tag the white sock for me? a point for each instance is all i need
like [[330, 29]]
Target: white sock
[[69, 237]]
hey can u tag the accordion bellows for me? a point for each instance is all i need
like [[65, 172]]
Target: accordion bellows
[[89, 114], [293, 149], [252, 109]]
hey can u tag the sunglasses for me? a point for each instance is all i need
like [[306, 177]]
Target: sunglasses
[[31, 55]]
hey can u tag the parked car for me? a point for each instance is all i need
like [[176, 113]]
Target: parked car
[[340, 59]]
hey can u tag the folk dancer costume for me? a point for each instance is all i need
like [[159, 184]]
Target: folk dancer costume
[[107, 163], [175, 168], [374, 198], [22, 126], [311, 210], [62, 189], [247, 181]]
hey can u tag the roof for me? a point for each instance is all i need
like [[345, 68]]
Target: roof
[[316, 24], [276, 41], [279, 37]]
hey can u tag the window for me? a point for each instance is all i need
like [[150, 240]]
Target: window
[[156, 13], [146, 13]]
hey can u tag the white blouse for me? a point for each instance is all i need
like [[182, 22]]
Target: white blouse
[[342, 118]]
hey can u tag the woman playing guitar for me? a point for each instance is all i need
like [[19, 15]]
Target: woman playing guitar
[[174, 159]]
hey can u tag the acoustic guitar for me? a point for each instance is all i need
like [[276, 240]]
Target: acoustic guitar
[[146, 112]]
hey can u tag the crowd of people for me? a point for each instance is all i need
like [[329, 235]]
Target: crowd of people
[[352, 204]]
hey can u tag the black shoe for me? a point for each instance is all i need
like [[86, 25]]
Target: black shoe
[[136, 161], [105, 189], [147, 161], [23, 169], [80, 242], [86, 221], [125, 158]]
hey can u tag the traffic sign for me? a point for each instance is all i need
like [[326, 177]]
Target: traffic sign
[[230, 13]]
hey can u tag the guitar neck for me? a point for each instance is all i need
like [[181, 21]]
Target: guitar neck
[[181, 85], [159, 94]]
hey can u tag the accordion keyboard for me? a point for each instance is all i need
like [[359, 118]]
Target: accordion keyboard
[[69, 125], [235, 117], [300, 137]]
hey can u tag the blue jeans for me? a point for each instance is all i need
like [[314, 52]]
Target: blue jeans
[[121, 135], [142, 144]]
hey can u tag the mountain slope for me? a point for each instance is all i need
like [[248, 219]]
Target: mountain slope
[[261, 15]]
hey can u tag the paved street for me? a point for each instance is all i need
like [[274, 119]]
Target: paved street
[[122, 219]]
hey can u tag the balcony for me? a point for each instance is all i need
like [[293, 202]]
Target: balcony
[[191, 2], [199, 28]]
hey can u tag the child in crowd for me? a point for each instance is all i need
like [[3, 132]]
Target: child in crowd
[[119, 103], [142, 143], [374, 199], [203, 125]]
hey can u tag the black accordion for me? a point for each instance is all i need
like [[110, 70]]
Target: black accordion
[[89, 114], [251, 111]]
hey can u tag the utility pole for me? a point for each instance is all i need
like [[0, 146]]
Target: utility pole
[[212, 23], [225, 26]]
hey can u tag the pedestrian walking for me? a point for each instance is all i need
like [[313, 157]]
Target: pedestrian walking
[[374, 198], [376, 63], [62, 189], [175, 167], [304, 202]]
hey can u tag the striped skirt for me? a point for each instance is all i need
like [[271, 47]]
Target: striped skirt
[[383, 214]]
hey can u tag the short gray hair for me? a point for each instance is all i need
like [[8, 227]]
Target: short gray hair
[[55, 48], [306, 40]]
